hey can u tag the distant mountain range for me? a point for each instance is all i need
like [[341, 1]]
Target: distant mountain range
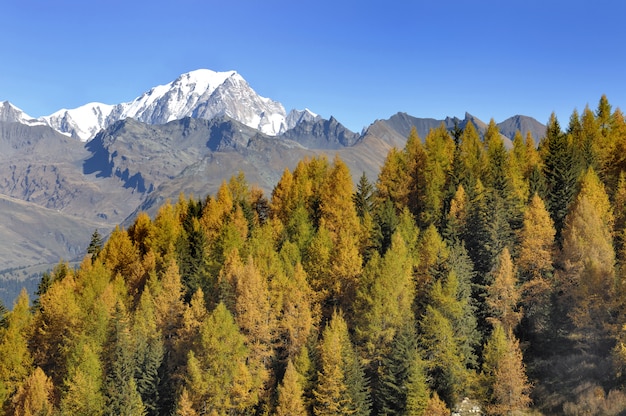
[[92, 167]]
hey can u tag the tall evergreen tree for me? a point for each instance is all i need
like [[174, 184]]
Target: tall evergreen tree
[[122, 396], [363, 197], [402, 388], [95, 245], [561, 173]]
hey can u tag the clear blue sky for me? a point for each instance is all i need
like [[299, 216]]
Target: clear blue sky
[[356, 60]]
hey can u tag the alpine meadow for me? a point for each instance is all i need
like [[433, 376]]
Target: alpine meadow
[[472, 274]]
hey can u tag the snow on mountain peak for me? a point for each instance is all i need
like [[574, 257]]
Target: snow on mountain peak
[[82, 122], [12, 114], [296, 117], [176, 99], [202, 93]]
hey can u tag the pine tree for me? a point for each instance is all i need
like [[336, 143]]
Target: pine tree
[[149, 353], [122, 396], [402, 387], [42, 288], [363, 197], [619, 229], [561, 174], [386, 220], [460, 283], [95, 245], [456, 220]]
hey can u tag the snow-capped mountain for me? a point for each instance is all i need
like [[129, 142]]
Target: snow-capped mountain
[[11, 114], [199, 94]]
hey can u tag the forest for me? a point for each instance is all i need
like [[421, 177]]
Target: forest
[[467, 273]]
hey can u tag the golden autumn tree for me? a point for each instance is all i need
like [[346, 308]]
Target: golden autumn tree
[[293, 297], [504, 374], [472, 155], [34, 396], [503, 294], [456, 219], [83, 393], [15, 359], [439, 155], [393, 182], [587, 262], [217, 378], [255, 318], [537, 251], [290, 394], [336, 204], [121, 257], [340, 385], [384, 298]]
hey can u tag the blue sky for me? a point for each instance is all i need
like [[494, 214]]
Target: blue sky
[[356, 60]]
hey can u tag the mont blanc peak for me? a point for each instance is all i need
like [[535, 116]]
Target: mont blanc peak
[[175, 100], [199, 94]]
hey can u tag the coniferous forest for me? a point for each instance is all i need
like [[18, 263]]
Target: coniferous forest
[[467, 269]]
